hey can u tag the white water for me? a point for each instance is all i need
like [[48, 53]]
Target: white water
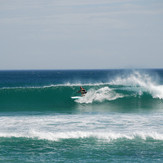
[[99, 95], [100, 126]]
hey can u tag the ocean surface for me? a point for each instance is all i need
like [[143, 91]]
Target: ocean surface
[[120, 119]]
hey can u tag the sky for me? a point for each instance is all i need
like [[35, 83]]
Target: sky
[[81, 34]]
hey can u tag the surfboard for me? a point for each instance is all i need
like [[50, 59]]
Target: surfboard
[[76, 97]]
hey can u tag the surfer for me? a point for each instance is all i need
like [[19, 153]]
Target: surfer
[[82, 91]]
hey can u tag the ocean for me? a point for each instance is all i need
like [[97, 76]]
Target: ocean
[[120, 119]]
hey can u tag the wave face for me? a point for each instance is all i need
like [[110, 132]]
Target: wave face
[[136, 89]]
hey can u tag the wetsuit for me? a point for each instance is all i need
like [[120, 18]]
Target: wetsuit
[[83, 91]]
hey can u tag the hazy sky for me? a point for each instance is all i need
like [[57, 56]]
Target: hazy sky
[[81, 34]]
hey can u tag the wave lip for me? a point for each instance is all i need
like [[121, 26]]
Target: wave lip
[[143, 82]]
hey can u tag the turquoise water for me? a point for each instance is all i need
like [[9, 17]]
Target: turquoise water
[[118, 120]]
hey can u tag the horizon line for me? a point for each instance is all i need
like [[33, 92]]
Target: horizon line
[[80, 69]]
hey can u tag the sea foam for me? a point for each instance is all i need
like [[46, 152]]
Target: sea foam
[[102, 126]]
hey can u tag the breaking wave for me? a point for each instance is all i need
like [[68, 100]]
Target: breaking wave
[[81, 134]]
